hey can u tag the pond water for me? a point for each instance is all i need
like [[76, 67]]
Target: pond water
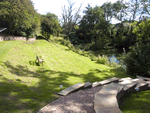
[[113, 58]]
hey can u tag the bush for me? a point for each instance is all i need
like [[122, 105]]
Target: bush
[[65, 42], [137, 61], [102, 59]]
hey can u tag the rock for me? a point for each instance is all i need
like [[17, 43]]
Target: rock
[[71, 89], [87, 85], [127, 78], [96, 84], [114, 79]]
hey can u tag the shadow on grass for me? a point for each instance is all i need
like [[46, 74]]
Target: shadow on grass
[[19, 95], [34, 63]]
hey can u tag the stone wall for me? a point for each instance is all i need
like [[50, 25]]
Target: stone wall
[[3, 38]]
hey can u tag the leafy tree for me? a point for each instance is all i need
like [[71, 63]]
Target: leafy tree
[[142, 31], [120, 10], [20, 16], [108, 11], [92, 17], [137, 61], [50, 25]]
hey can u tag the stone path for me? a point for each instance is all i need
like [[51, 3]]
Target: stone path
[[99, 97]]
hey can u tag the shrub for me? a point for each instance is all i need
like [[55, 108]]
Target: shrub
[[102, 59], [137, 61]]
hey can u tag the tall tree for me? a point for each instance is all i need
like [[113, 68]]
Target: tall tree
[[108, 10], [50, 25], [94, 27], [70, 17], [120, 10], [138, 8]]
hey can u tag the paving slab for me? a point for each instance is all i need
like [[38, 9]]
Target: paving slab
[[108, 110], [127, 78], [145, 78], [143, 86], [138, 80], [130, 87], [112, 88], [71, 89], [104, 101], [114, 79], [87, 85], [96, 84], [148, 88], [125, 82]]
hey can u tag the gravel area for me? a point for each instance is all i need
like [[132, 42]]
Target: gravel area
[[77, 102]]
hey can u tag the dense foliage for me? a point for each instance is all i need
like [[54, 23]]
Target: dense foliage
[[19, 17], [50, 25], [137, 61]]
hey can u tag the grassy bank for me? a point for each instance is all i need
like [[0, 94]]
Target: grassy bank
[[131, 104], [27, 87]]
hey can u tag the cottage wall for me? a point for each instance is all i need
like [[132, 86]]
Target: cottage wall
[[2, 38]]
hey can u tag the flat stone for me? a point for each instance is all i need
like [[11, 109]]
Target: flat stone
[[105, 101], [125, 82], [70, 89], [112, 88], [127, 78], [130, 87], [96, 84], [145, 78], [114, 79], [148, 88], [142, 86], [108, 110], [138, 80], [147, 82], [87, 85]]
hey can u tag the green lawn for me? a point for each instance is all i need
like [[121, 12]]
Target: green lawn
[[131, 104], [27, 87]]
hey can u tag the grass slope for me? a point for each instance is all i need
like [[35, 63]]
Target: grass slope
[[27, 87]]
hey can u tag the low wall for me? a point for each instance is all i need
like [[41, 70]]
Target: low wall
[[3, 38]]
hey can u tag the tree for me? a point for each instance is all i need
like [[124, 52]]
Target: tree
[[20, 16], [138, 9], [92, 17], [142, 31], [50, 25], [108, 10], [94, 27], [120, 10], [70, 17]]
